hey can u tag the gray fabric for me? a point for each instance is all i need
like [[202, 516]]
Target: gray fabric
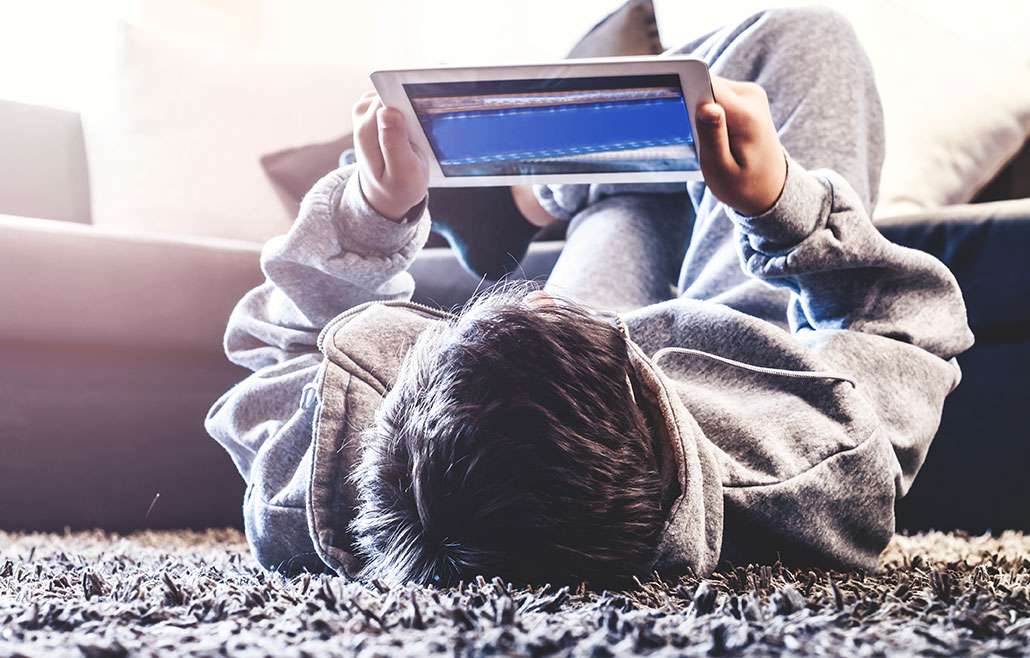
[[824, 104], [338, 253], [770, 462]]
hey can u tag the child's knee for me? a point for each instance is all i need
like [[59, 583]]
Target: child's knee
[[810, 25]]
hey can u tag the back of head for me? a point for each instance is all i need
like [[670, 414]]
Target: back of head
[[510, 445]]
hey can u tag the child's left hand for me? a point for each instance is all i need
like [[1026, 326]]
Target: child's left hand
[[394, 176]]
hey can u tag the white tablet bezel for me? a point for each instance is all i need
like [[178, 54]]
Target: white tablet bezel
[[692, 72]]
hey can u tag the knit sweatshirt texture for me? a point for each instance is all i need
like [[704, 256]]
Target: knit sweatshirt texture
[[786, 443]]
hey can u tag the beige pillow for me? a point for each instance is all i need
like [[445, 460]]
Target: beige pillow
[[954, 111], [180, 153]]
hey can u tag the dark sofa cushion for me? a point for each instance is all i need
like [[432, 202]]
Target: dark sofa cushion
[[294, 171], [628, 31], [986, 246]]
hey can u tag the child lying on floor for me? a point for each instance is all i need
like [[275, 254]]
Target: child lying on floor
[[768, 387]]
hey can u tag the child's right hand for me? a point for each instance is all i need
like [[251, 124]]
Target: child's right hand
[[741, 157], [394, 176]]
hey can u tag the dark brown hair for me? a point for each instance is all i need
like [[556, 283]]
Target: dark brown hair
[[510, 446]]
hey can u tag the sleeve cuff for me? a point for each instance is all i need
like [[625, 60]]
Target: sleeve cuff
[[365, 226], [804, 206], [561, 201]]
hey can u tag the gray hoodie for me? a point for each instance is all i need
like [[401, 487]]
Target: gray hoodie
[[777, 443]]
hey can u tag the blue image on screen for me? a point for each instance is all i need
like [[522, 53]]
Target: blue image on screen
[[574, 125]]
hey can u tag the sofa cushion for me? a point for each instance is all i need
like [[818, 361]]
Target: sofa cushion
[[986, 246], [71, 284], [192, 118], [294, 171]]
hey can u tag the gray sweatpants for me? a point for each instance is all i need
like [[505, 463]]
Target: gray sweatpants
[[629, 249]]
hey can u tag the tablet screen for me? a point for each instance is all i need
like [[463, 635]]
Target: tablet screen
[[597, 124]]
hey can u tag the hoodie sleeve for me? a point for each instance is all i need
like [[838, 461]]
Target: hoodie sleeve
[[891, 317], [338, 254], [888, 318]]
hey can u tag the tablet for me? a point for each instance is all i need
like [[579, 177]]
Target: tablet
[[609, 120]]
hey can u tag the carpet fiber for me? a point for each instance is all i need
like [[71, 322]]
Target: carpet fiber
[[200, 594]]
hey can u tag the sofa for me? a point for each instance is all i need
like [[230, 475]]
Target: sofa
[[110, 345]]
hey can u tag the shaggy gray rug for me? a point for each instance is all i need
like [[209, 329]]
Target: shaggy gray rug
[[200, 594]]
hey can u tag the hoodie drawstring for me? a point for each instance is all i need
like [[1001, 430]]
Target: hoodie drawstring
[[780, 372]]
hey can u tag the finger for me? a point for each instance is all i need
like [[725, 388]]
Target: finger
[[740, 87], [732, 96], [722, 89], [361, 107], [366, 139], [398, 155], [713, 141], [746, 106]]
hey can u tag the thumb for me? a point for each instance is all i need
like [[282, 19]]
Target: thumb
[[713, 140], [393, 140]]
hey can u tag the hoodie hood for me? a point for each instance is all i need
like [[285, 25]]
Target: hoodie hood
[[364, 350], [693, 527]]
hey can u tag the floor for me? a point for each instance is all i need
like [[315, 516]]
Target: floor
[[200, 594]]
